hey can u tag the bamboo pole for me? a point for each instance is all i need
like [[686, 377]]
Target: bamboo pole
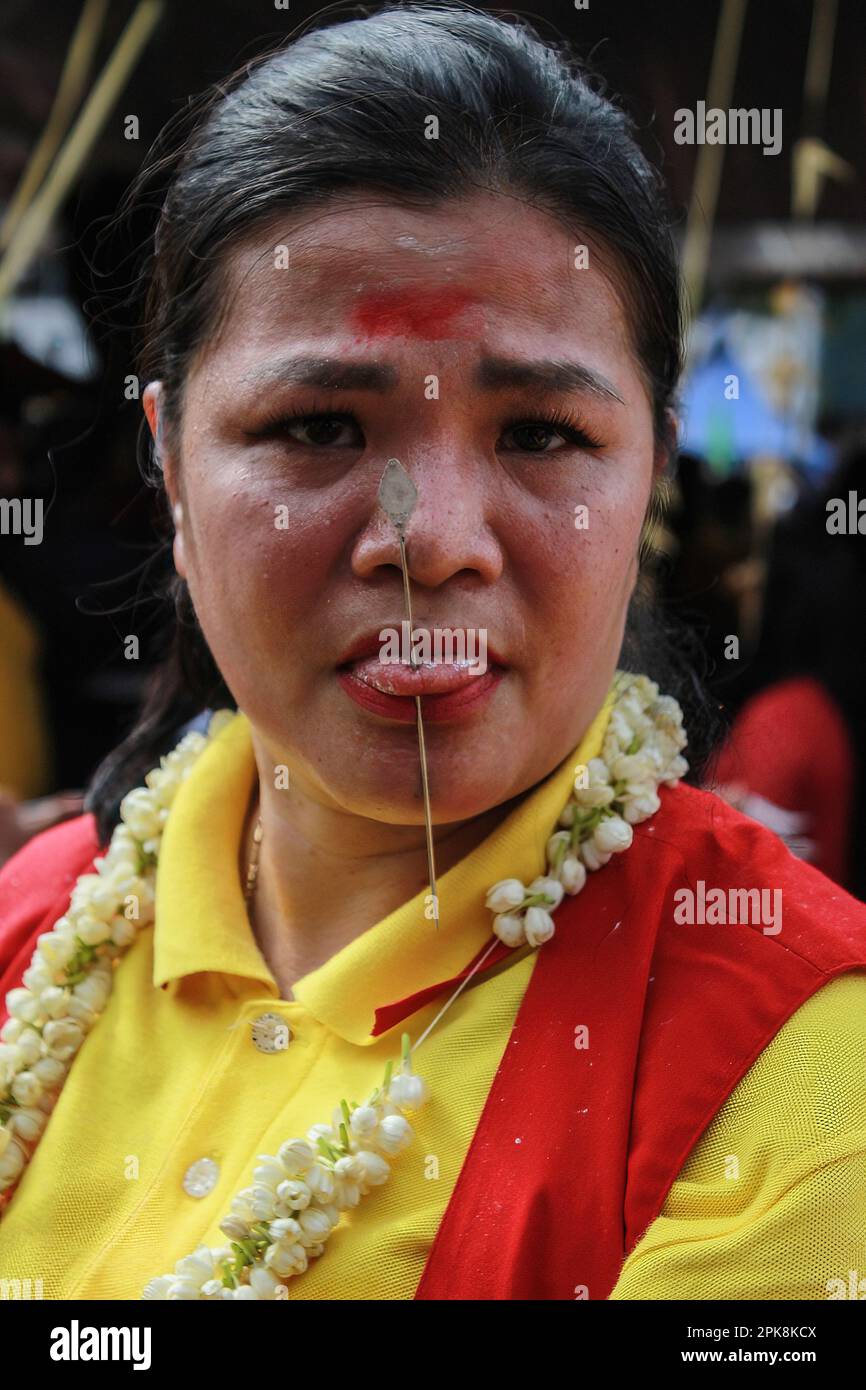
[[33, 226], [76, 68], [708, 170]]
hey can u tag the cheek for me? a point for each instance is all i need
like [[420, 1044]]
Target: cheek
[[253, 549], [595, 525]]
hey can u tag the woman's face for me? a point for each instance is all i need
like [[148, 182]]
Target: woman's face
[[523, 533]]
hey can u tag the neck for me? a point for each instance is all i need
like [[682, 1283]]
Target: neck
[[326, 876]]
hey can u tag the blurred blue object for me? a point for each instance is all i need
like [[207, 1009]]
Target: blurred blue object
[[197, 725], [728, 433]]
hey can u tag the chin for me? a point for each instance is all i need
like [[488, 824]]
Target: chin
[[403, 804]]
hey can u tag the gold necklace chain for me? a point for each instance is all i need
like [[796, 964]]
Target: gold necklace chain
[[253, 866]]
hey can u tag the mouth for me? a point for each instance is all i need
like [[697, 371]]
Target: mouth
[[449, 689]]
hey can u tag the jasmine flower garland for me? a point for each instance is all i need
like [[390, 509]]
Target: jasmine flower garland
[[282, 1221], [641, 751]]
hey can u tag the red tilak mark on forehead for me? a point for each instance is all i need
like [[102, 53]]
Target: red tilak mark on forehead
[[430, 314]]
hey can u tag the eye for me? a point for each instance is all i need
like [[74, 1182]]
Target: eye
[[322, 429], [533, 435]]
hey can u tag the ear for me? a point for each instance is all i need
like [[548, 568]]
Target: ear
[[152, 400]]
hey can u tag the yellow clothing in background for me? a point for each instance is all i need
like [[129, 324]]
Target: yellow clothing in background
[[171, 1075]]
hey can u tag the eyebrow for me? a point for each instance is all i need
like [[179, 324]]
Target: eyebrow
[[491, 374]]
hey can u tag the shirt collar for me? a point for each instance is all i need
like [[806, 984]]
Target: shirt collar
[[201, 922]]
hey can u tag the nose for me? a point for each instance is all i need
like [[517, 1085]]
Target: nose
[[448, 533]]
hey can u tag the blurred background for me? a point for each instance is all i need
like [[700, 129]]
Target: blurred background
[[763, 547]]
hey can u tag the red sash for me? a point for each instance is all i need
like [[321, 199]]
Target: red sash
[[578, 1145]]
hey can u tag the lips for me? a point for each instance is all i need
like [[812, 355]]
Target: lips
[[428, 678], [450, 690], [371, 643]]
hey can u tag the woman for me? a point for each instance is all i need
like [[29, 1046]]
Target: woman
[[420, 236]]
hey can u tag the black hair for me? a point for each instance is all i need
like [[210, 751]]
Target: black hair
[[345, 107]]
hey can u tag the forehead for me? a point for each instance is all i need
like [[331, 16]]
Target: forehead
[[361, 268]]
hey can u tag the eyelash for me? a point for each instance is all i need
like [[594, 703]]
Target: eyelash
[[570, 425]]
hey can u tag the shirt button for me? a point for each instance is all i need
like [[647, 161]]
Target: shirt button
[[271, 1033], [201, 1177]]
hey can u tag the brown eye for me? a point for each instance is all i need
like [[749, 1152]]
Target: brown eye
[[533, 439], [533, 436], [322, 431]]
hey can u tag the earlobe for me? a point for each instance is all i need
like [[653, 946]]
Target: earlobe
[[177, 548], [152, 400]]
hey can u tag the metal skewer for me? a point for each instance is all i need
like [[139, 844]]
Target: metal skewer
[[397, 496]]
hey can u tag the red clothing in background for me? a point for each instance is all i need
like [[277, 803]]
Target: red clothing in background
[[789, 763]]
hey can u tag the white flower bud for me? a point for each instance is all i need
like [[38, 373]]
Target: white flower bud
[[93, 991], [28, 1123], [92, 930], [56, 948], [296, 1155], [635, 767], [285, 1230], [269, 1173], [639, 808], [12, 1162], [139, 810], [508, 926], [539, 926], [62, 1038], [364, 1120], [408, 1091], [234, 1228], [286, 1260], [508, 893], [37, 978], [320, 1181], [612, 836], [264, 1283], [26, 1088], [55, 1001], [373, 1168], [572, 874], [551, 888], [28, 1049], [295, 1193], [261, 1202], [593, 858], [315, 1227], [591, 797], [49, 1070], [559, 843], [394, 1134], [123, 931], [22, 1004], [322, 1131]]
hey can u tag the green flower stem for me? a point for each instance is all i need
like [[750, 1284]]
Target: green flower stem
[[535, 900]]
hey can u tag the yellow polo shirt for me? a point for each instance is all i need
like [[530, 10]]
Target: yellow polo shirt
[[171, 1075]]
